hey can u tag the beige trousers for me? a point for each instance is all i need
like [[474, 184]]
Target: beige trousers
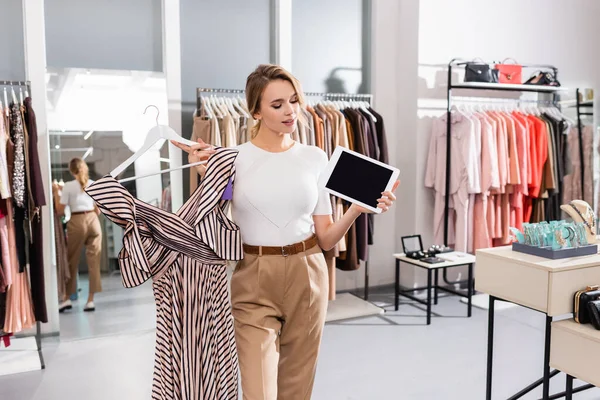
[[279, 306], [84, 230]]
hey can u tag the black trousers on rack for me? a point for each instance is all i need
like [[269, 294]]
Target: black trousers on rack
[[36, 270]]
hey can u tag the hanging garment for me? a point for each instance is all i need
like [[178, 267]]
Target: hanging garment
[[19, 309], [62, 262], [5, 191], [572, 182], [35, 200], [17, 136], [461, 181], [184, 253]]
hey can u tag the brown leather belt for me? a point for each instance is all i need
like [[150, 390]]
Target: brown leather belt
[[283, 250], [82, 212]]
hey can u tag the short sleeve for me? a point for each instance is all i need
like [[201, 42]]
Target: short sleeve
[[64, 197], [323, 206]]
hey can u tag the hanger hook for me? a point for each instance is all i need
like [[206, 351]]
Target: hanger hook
[[157, 111]]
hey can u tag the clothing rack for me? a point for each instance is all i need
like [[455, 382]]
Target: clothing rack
[[38, 325], [456, 63], [329, 96]]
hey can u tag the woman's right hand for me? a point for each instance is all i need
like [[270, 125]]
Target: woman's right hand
[[198, 152]]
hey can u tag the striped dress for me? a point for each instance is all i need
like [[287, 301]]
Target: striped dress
[[185, 254]]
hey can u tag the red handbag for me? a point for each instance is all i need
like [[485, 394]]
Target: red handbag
[[510, 73]]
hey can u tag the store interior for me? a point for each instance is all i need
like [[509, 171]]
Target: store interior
[[485, 323]]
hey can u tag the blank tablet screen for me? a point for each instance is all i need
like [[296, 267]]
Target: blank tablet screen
[[359, 179]]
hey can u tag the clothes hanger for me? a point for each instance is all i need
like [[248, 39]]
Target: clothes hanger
[[237, 106], [364, 109], [14, 96], [21, 95], [155, 134], [216, 107], [207, 108], [231, 108]]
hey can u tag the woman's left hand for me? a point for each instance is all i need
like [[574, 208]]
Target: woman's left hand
[[385, 202]]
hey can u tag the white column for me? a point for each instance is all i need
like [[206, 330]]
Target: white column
[[282, 21], [172, 70], [35, 64]]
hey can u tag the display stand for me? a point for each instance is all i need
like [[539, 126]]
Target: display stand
[[328, 96], [38, 328], [540, 284]]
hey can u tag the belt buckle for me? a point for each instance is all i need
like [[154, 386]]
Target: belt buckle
[[284, 251]]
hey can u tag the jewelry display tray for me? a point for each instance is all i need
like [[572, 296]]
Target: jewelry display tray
[[547, 252]]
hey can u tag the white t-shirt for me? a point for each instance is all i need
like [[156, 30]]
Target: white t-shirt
[[276, 194], [75, 198]]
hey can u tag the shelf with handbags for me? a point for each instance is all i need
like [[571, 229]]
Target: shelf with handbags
[[506, 75]]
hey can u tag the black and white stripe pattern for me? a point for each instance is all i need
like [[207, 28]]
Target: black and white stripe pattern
[[184, 253]]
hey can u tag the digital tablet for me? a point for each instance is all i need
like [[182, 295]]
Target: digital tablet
[[357, 178]]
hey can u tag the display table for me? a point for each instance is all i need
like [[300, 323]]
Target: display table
[[575, 350], [537, 283], [462, 260]]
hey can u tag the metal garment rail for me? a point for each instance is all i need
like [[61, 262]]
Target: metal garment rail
[[38, 326], [327, 96]]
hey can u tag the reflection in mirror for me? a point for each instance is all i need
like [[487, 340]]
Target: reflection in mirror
[[97, 115]]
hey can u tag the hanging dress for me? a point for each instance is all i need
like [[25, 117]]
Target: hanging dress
[[184, 253]]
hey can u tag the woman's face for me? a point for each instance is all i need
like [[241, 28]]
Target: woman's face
[[279, 107]]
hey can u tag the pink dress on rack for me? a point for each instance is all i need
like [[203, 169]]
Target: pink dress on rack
[[19, 309]]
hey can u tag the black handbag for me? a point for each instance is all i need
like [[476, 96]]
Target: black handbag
[[580, 303], [594, 311], [480, 72], [543, 78]]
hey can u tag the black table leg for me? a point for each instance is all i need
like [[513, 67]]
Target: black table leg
[[569, 389], [429, 272], [490, 355], [470, 290], [546, 383], [397, 286], [435, 289]]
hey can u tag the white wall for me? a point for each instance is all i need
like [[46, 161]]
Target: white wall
[[108, 34], [12, 50], [410, 36], [338, 45]]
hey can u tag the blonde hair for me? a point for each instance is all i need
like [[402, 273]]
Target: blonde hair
[[258, 80], [80, 170]]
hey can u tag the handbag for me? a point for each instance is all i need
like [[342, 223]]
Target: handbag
[[543, 79], [594, 311], [580, 303], [510, 73], [480, 72]]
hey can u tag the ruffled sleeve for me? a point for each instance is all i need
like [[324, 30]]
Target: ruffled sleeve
[[117, 204]]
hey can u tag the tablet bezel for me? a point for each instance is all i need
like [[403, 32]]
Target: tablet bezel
[[326, 174]]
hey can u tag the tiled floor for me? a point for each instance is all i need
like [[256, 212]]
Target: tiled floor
[[108, 354]]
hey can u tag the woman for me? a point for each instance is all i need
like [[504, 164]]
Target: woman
[[279, 290], [83, 229]]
